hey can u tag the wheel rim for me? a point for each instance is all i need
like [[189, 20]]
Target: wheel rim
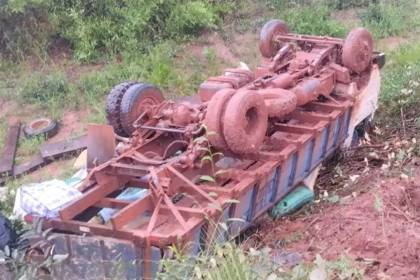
[[268, 47]]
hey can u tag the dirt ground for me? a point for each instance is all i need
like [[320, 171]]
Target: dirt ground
[[375, 222]]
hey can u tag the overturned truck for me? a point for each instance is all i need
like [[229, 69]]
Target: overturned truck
[[225, 155]]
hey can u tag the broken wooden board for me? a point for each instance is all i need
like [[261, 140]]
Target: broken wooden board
[[34, 163], [9, 150], [61, 148]]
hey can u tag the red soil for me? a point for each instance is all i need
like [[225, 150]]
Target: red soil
[[379, 230]]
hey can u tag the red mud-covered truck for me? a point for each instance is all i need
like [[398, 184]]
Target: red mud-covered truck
[[246, 136]]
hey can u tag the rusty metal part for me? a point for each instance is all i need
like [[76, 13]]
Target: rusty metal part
[[322, 40], [113, 106], [233, 78], [9, 150], [266, 133], [358, 50], [268, 46], [245, 122], [99, 154], [137, 99], [279, 102], [214, 118]]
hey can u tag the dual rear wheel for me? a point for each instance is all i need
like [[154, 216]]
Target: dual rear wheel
[[127, 102]]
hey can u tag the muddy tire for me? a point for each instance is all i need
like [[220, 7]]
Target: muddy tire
[[43, 126], [358, 50], [268, 47], [214, 115], [245, 122], [134, 102], [113, 107]]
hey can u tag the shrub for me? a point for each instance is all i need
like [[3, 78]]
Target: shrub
[[190, 18], [44, 88], [97, 29], [400, 88], [24, 28], [388, 18]]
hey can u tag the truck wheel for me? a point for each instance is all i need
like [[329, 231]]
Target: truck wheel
[[134, 102], [268, 47], [113, 107], [358, 50], [245, 122], [214, 117]]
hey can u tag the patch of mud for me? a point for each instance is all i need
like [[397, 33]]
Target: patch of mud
[[391, 43], [71, 125], [379, 229], [215, 42], [7, 107]]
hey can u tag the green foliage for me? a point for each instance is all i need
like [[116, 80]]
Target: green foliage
[[24, 27], [314, 19], [401, 81], [28, 147], [190, 18], [44, 88], [96, 29], [389, 18], [227, 262], [17, 263]]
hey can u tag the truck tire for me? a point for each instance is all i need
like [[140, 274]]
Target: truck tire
[[134, 102], [245, 122], [268, 47], [42, 126], [113, 106], [214, 117], [358, 50]]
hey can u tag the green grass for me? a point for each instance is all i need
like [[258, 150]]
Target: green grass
[[391, 18], [3, 131], [401, 81], [314, 20]]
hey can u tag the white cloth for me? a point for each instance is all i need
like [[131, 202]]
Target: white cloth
[[47, 198]]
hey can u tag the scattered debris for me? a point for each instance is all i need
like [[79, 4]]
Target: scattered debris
[[47, 198], [292, 202], [7, 235]]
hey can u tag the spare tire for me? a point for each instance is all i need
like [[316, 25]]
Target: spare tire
[[358, 50], [268, 47], [245, 122], [134, 102], [113, 106], [42, 126]]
